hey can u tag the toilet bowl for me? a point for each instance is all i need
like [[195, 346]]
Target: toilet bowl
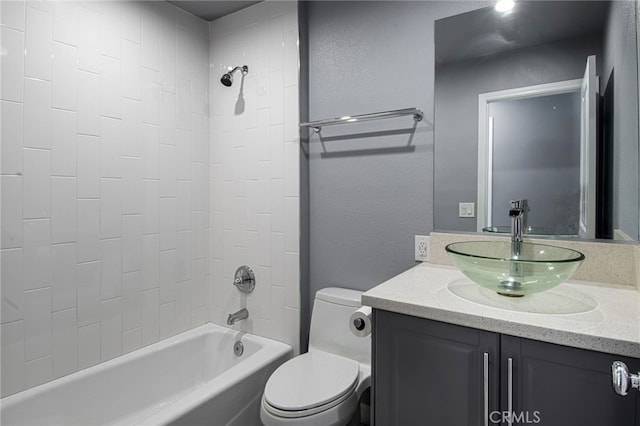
[[323, 386]]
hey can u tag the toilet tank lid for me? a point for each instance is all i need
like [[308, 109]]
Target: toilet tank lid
[[340, 296]]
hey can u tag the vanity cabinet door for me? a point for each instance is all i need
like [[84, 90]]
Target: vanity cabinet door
[[432, 373], [555, 385]]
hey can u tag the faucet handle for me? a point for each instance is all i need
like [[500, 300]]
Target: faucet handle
[[519, 204], [245, 279]]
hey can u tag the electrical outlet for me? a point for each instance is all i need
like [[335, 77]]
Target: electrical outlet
[[421, 248], [466, 210]]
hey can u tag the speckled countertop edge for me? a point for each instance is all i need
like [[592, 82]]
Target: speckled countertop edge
[[612, 327]]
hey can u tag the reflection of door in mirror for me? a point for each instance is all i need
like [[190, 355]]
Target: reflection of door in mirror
[[536, 156], [529, 147], [541, 146]]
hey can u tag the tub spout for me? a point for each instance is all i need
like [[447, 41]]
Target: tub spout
[[237, 316]]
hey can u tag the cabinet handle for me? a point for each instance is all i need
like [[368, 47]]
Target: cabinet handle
[[622, 379], [486, 388], [510, 390]]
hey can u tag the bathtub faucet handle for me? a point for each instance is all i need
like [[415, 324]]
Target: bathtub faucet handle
[[245, 279]]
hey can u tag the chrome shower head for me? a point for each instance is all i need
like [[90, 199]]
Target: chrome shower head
[[227, 78]]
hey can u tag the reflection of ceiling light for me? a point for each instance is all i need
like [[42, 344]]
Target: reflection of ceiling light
[[505, 5]]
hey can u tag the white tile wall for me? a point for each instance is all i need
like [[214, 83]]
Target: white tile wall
[[96, 189], [254, 171], [107, 201]]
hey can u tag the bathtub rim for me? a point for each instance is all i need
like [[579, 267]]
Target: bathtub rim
[[268, 348], [272, 350]]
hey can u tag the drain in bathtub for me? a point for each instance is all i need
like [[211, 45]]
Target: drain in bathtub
[[238, 348]]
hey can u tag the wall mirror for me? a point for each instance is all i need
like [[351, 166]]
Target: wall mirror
[[514, 120]]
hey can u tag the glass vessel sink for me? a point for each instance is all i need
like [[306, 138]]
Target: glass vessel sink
[[514, 270]]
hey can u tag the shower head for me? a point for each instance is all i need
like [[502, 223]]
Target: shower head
[[227, 78]]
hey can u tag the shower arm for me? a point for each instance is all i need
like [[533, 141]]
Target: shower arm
[[243, 69]]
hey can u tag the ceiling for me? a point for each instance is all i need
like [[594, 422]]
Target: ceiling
[[485, 32], [212, 9]]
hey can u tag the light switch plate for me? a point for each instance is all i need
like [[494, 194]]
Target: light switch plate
[[466, 210]]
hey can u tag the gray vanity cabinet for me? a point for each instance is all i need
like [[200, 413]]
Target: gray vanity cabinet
[[564, 385], [432, 373]]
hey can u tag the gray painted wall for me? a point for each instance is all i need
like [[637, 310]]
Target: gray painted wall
[[370, 184], [457, 88], [621, 61]]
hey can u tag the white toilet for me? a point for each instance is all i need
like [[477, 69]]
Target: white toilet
[[323, 386]]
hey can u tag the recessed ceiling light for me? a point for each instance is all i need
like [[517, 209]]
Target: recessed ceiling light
[[505, 5]]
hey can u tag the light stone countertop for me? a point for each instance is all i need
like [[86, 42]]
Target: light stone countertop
[[581, 314]]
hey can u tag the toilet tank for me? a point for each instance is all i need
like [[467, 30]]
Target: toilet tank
[[332, 308]]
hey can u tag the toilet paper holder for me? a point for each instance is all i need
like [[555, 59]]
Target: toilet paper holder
[[360, 322]]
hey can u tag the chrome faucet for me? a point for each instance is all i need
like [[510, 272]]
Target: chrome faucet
[[516, 213], [237, 316]]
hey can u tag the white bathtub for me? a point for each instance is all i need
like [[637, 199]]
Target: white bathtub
[[190, 379]]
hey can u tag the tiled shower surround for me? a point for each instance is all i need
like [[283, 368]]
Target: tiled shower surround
[[255, 168], [113, 156]]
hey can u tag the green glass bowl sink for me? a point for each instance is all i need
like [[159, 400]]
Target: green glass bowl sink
[[514, 270]]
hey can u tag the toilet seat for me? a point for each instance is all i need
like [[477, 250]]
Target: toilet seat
[[309, 384]]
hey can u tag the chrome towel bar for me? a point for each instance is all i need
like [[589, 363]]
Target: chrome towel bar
[[318, 124]]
